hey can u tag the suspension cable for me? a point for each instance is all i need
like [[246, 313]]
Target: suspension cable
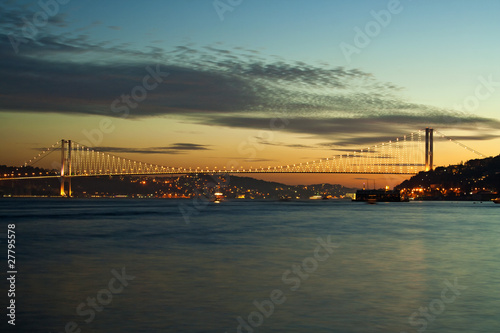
[[42, 155], [460, 144]]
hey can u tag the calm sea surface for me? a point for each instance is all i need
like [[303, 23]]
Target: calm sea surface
[[122, 265]]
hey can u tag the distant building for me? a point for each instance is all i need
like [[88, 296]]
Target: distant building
[[351, 196]]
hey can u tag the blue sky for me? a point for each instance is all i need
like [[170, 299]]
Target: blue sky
[[423, 66]]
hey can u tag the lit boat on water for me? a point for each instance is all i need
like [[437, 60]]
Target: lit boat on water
[[497, 200], [285, 198], [218, 197], [318, 197]]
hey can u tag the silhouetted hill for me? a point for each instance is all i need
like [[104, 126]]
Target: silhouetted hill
[[161, 186], [474, 175]]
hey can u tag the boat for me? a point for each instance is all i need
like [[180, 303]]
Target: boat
[[379, 196], [497, 200], [318, 197], [284, 198], [218, 197]]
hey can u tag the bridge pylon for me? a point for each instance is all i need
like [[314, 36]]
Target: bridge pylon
[[65, 168], [429, 149]]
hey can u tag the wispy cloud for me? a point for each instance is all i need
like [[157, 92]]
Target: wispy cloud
[[364, 130], [211, 85], [176, 148]]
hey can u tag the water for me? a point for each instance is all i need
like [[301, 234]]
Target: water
[[393, 260]]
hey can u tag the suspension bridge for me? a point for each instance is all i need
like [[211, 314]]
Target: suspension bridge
[[405, 155]]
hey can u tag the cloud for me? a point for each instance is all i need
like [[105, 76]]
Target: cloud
[[15, 16], [210, 85], [363, 130], [478, 136], [176, 148], [262, 141], [255, 160]]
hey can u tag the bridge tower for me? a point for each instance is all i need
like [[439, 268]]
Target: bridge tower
[[65, 168], [429, 149]]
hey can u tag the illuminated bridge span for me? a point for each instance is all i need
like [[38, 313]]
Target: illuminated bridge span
[[408, 154]]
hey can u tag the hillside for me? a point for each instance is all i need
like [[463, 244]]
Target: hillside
[[474, 176], [162, 186]]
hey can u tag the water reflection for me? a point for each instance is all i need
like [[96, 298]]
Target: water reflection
[[392, 260]]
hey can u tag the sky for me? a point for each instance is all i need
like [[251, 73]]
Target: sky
[[190, 83]]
